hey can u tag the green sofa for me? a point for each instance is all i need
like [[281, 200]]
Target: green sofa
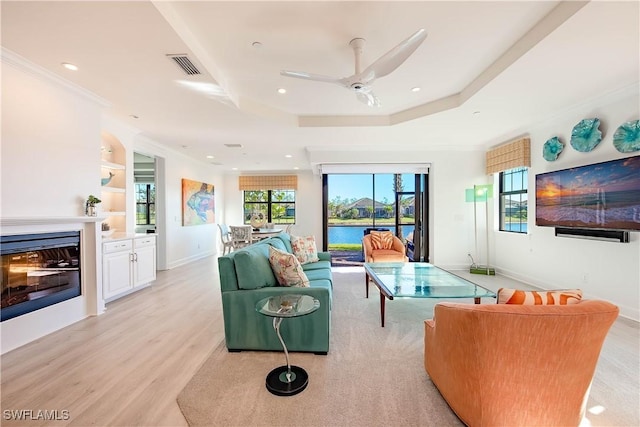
[[246, 278]]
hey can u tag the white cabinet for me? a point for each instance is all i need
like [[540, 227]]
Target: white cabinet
[[144, 260], [127, 264]]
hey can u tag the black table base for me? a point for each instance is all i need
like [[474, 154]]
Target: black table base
[[277, 381]]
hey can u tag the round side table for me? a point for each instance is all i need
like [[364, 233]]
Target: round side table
[[286, 380]]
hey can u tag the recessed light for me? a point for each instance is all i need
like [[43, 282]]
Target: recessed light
[[415, 89], [288, 156], [475, 113], [282, 90], [295, 168], [257, 45], [234, 169], [133, 116], [210, 157], [70, 66]]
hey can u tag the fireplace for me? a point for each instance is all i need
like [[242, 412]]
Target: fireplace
[[38, 270]]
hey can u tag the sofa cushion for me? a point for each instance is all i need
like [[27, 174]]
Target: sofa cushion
[[319, 274], [252, 267], [560, 297], [381, 239], [276, 243], [286, 239], [319, 265], [287, 268], [305, 249]]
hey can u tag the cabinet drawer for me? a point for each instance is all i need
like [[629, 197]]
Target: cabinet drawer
[[145, 241], [120, 245]]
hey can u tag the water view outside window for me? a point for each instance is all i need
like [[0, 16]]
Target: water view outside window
[[361, 201], [514, 200]]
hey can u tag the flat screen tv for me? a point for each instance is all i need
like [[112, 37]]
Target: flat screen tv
[[603, 196]]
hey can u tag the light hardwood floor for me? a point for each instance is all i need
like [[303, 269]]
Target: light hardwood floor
[[127, 366]]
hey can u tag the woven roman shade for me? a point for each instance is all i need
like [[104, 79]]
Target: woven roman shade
[[268, 182], [508, 156]]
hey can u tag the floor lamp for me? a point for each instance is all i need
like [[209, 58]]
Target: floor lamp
[[480, 194]]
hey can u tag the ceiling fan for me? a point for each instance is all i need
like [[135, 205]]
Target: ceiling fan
[[360, 82]]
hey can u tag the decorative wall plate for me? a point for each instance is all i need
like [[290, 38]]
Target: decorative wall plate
[[627, 137], [586, 135], [552, 149]]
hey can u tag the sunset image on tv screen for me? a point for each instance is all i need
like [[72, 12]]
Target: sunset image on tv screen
[[600, 196]]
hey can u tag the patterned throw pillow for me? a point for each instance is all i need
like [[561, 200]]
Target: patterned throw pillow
[[381, 240], [561, 297], [287, 269], [304, 248]]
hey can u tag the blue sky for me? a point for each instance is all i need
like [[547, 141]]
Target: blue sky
[[349, 186]]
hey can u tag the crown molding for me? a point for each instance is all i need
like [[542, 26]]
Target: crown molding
[[13, 59]]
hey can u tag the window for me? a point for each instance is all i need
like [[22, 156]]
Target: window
[[278, 206], [145, 204], [513, 200]]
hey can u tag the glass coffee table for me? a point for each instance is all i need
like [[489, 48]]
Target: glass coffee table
[[419, 280], [286, 380]]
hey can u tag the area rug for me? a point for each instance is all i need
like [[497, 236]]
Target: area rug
[[372, 376]]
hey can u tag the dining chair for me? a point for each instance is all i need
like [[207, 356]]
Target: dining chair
[[225, 237], [240, 236]]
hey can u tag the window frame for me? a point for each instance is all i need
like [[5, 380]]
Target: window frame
[[147, 203], [504, 194], [269, 202]]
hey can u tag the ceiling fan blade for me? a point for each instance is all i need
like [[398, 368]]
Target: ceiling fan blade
[[368, 98], [309, 76], [394, 58]]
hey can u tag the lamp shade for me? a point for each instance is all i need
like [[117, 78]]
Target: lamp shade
[[479, 193]]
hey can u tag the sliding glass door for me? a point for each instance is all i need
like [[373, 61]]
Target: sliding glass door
[[355, 204]]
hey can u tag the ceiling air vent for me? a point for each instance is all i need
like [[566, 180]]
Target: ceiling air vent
[[233, 145], [185, 63]]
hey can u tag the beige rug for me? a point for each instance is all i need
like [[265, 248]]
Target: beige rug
[[372, 376]]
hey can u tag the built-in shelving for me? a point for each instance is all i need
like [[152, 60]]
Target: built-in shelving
[[113, 192]]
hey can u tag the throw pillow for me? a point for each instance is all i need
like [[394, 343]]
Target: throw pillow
[[304, 248], [287, 269], [381, 240], [560, 297]]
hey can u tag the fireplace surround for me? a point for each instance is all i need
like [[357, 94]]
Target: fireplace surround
[[38, 270], [27, 327]]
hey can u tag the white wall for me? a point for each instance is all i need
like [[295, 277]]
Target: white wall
[[605, 270], [50, 164], [451, 217], [308, 204], [51, 139], [50, 144], [184, 244]]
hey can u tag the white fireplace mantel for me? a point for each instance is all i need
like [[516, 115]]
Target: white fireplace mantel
[[45, 220]]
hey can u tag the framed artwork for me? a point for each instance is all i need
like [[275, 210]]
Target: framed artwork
[[198, 206]]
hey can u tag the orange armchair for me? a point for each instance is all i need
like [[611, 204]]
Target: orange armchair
[[516, 365], [397, 253]]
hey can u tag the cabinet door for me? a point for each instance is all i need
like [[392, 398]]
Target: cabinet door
[[144, 265], [116, 273]]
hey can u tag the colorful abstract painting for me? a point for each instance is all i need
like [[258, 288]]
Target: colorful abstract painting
[[198, 206]]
